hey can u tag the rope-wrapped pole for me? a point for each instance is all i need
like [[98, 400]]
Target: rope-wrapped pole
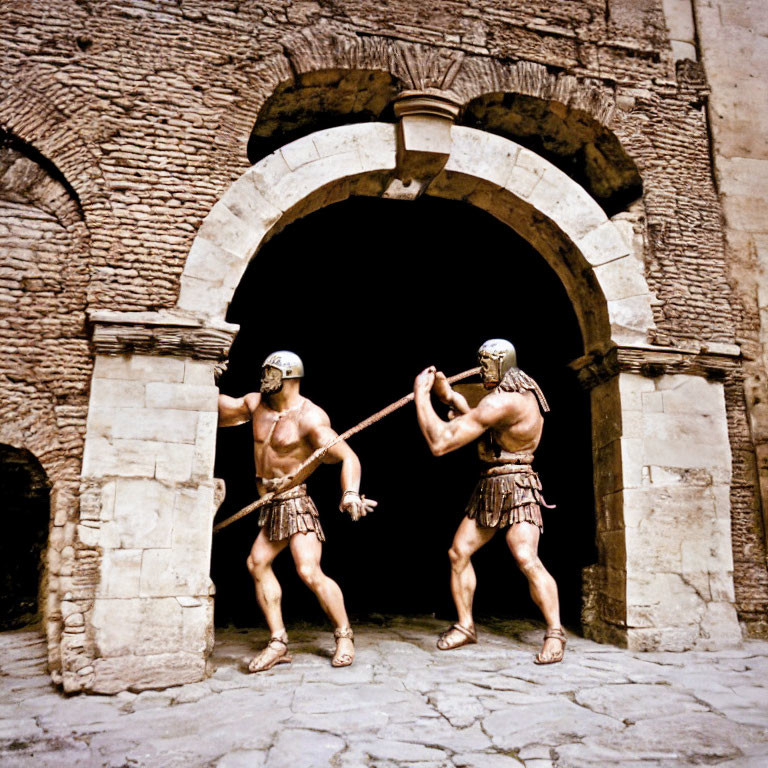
[[301, 472]]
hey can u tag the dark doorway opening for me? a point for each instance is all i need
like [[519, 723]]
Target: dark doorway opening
[[369, 292], [24, 489]]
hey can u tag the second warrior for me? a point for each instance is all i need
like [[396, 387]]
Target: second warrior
[[287, 429], [508, 422]]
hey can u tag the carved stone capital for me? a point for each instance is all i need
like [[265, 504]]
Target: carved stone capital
[[159, 333], [424, 140], [432, 102], [713, 361]]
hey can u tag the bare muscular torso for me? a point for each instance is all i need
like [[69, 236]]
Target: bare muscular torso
[[282, 440]]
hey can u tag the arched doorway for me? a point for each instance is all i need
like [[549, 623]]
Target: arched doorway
[[167, 360], [369, 292], [24, 489]]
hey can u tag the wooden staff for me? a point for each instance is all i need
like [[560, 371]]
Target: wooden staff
[[308, 465]]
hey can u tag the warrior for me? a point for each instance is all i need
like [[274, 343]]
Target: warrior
[[287, 429], [509, 421]]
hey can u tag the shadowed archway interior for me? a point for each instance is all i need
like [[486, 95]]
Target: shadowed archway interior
[[368, 292], [25, 494]]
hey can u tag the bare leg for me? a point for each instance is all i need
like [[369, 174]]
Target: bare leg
[[307, 549], [268, 595], [523, 541], [468, 539]]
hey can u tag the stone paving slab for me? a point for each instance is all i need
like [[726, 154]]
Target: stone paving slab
[[402, 703]]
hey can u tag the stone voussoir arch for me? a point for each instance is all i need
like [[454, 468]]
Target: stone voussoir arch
[[603, 278]]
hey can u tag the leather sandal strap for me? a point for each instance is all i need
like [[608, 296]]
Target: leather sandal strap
[[464, 631], [556, 633], [277, 640], [344, 633]]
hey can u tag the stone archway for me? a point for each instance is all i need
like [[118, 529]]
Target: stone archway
[[664, 577]]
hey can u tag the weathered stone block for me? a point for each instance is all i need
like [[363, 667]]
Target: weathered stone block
[[117, 392], [198, 373], [567, 204], [299, 152], [143, 513], [120, 571], [173, 463], [203, 298], [691, 394], [160, 627], [312, 177], [115, 626], [185, 397], [205, 447], [685, 440], [89, 535], [719, 627], [379, 153], [137, 673], [611, 512], [172, 572], [632, 462], [613, 549], [247, 203], [123, 458], [607, 413], [197, 627], [603, 244], [482, 155], [375, 142], [622, 278], [608, 469], [213, 263], [193, 513], [526, 174], [138, 368], [239, 237], [652, 402], [631, 319], [632, 387], [161, 424], [99, 423]]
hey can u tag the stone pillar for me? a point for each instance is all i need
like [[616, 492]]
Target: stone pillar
[[147, 501], [664, 579]]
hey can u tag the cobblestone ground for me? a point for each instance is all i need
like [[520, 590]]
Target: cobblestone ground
[[403, 703]]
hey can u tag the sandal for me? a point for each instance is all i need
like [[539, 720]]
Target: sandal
[[469, 637], [282, 658], [555, 633], [342, 659]]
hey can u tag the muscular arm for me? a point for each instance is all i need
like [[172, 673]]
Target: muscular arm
[[321, 434], [237, 410], [455, 401], [445, 436], [355, 505]]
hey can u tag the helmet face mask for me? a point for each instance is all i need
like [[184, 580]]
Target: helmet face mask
[[278, 367], [271, 380], [496, 357]]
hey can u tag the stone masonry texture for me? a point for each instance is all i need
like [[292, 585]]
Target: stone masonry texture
[[122, 123]]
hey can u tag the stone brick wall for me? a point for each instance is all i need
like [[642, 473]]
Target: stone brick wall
[[734, 41], [46, 364]]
